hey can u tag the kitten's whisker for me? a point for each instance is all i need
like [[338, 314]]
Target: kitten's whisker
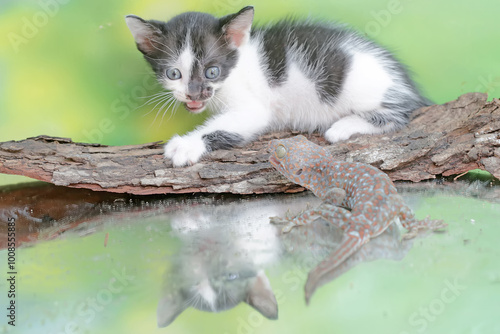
[[220, 56], [166, 110], [225, 297], [192, 300], [158, 61], [164, 94], [152, 59], [160, 98], [152, 109], [153, 95], [170, 52], [213, 44], [217, 101], [232, 297], [156, 94], [174, 109], [198, 300], [218, 47], [165, 105], [159, 110]]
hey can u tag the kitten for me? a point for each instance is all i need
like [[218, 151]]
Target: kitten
[[296, 75]]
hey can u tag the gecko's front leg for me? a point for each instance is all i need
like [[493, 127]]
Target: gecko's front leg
[[333, 214]]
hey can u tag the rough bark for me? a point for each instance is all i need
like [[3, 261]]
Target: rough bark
[[441, 140]]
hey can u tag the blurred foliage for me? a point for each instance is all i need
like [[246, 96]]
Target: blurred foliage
[[70, 67]]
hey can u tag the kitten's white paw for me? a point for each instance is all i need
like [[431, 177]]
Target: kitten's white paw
[[335, 134], [185, 150], [345, 127]]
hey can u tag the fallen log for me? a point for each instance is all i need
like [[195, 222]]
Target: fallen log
[[440, 141]]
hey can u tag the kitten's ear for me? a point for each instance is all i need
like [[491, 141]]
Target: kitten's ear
[[145, 34], [261, 297], [236, 27], [169, 307]]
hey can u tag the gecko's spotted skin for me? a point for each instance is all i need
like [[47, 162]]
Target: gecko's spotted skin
[[358, 198]]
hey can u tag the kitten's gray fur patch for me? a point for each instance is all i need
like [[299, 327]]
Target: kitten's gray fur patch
[[309, 44], [222, 140]]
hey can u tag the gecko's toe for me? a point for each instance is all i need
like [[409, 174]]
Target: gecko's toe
[[278, 220], [410, 234]]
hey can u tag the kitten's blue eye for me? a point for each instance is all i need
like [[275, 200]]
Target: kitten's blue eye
[[212, 72], [231, 276], [173, 74]]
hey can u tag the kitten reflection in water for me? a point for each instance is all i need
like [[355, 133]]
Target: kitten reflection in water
[[220, 263]]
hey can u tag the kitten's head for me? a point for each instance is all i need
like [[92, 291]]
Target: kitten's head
[[193, 53], [217, 289]]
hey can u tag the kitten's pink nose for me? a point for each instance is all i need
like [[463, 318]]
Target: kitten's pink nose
[[193, 97], [201, 95]]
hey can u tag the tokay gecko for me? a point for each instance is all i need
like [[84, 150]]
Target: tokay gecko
[[358, 198]]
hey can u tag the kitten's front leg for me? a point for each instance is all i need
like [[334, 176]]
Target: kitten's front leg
[[185, 150], [220, 132]]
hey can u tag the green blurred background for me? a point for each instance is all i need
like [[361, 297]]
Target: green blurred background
[[70, 67]]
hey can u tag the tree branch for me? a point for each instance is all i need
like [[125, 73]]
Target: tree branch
[[441, 140]]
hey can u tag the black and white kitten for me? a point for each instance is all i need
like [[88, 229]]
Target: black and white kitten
[[290, 75]]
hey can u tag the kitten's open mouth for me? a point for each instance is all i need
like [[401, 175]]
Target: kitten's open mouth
[[195, 106]]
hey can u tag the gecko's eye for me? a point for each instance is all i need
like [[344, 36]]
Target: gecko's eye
[[280, 151]]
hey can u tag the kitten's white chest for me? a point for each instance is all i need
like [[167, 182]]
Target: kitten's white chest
[[247, 84]]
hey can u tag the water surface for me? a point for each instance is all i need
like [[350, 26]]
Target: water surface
[[97, 263]]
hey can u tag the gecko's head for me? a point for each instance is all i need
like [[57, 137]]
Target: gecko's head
[[298, 159]]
